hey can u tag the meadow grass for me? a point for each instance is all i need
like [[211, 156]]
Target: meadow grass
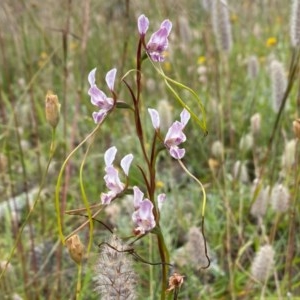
[[247, 163]]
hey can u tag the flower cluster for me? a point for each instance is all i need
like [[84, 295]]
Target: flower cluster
[[175, 135], [98, 98], [112, 180], [143, 216], [158, 42]]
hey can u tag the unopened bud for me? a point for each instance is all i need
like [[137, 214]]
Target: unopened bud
[[296, 127], [52, 107], [76, 248], [255, 124]]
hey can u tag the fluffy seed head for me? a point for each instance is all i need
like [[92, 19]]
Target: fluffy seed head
[[263, 263], [217, 150], [295, 24], [221, 25], [195, 248], [279, 84], [253, 67], [288, 156], [259, 206], [255, 124], [240, 171], [246, 142], [280, 198], [113, 273]]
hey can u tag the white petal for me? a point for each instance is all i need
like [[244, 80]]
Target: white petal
[[138, 196], [154, 117], [126, 162], [110, 78], [184, 117], [110, 155], [160, 200], [92, 77]]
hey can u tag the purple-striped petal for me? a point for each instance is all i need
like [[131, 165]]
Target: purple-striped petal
[[110, 78], [99, 116], [175, 136], [107, 197], [176, 152]]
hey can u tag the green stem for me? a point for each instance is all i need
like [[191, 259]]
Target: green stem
[[17, 240], [165, 259], [58, 185]]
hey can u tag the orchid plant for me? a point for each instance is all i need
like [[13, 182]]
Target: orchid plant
[[146, 214]]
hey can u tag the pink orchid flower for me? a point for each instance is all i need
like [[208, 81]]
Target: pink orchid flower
[[158, 42], [111, 178], [98, 98], [143, 216], [175, 135]]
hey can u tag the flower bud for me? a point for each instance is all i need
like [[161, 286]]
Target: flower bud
[[255, 123], [52, 107], [288, 157], [296, 127], [76, 248]]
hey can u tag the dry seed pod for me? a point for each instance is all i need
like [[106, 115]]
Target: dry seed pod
[[75, 247], [52, 108], [296, 128]]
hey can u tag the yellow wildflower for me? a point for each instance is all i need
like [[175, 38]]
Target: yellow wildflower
[[271, 41], [201, 60], [159, 184], [233, 18]]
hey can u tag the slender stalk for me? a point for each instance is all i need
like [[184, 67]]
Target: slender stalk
[[42, 183], [164, 256], [58, 185], [78, 285]]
